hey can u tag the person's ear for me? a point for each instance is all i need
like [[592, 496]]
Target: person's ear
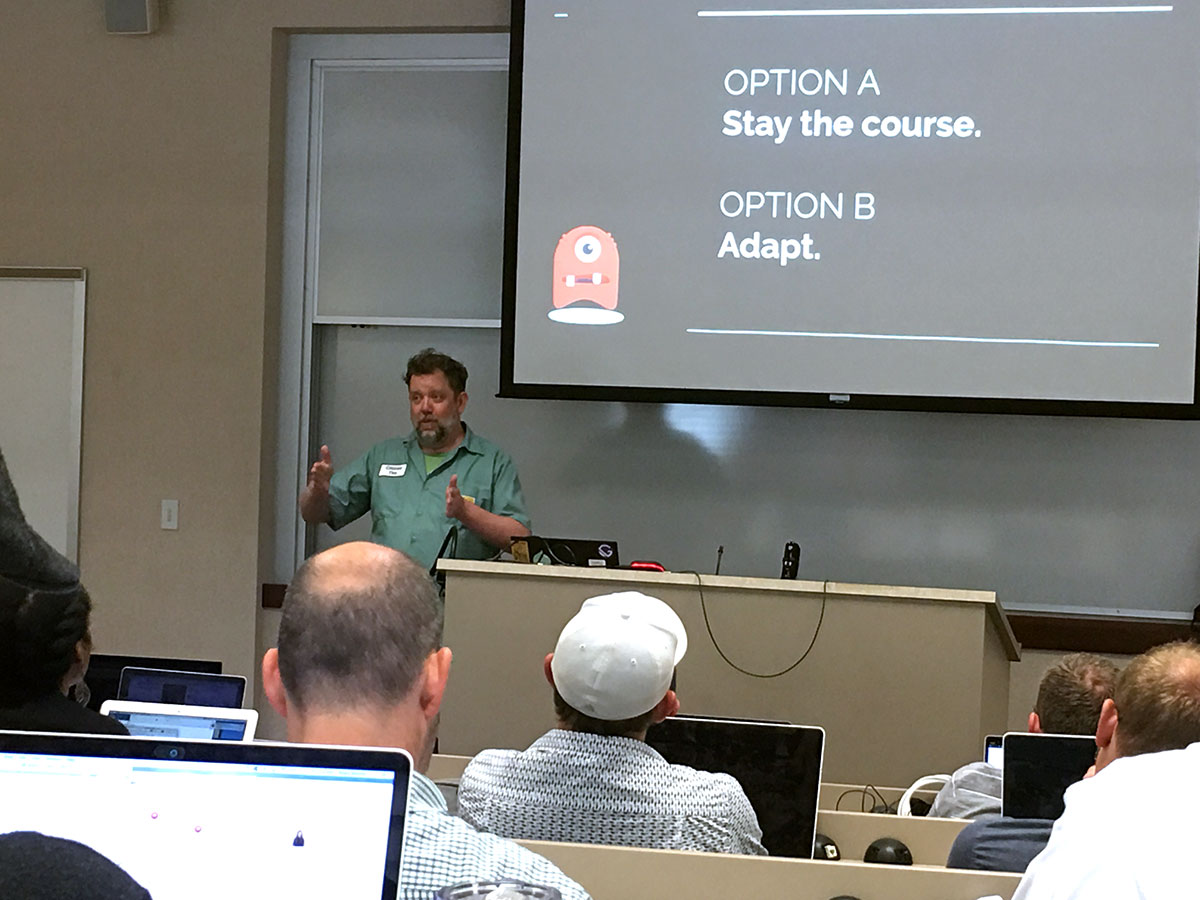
[[1106, 734], [1035, 723], [547, 670], [668, 706], [81, 654], [433, 682], [273, 682], [460, 401]]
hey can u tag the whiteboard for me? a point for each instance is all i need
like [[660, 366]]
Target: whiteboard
[[41, 406]]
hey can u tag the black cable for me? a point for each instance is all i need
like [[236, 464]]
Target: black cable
[[890, 807], [712, 637], [867, 792], [540, 547], [564, 549], [862, 806]]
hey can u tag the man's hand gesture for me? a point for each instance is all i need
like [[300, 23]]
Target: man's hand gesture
[[455, 504], [321, 472], [314, 499]]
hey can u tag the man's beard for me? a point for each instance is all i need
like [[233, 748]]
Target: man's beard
[[432, 439]]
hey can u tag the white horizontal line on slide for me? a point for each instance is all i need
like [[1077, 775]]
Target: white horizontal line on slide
[[946, 338], [932, 11]]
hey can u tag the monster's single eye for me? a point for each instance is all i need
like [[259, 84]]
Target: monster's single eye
[[587, 249]]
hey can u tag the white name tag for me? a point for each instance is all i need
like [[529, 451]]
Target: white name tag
[[386, 471]]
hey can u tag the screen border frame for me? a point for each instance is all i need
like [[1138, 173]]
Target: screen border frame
[[1020, 737], [726, 720], [265, 753], [510, 388]]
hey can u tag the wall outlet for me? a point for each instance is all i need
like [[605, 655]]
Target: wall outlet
[[170, 515]]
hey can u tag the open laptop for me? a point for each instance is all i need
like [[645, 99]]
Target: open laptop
[[566, 552], [1038, 769], [181, 688], [993, 750], [103, 677], [778, 766], [187, 723], [190, 820]]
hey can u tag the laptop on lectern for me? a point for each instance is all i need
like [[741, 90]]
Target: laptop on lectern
[[199, 819]]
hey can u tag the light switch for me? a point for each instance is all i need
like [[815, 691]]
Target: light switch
[[170, 515]]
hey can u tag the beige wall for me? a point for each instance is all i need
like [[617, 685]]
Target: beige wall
[[152, 161]]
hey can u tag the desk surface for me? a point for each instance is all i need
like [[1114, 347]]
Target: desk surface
[[630, 873]]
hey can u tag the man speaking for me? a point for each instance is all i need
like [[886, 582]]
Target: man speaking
[[417, 488]]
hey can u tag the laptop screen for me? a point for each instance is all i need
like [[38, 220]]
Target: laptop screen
[[188, 723], [104, 672], [190, 688], [1038, 769], [190, 821], [778, 766]]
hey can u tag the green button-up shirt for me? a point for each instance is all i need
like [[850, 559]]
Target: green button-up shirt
[[408, 506]]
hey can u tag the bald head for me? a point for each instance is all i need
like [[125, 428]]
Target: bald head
[[359, 621], [1157, 699]]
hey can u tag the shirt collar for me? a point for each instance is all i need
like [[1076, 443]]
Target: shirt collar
[[560, 739], [425, 792]]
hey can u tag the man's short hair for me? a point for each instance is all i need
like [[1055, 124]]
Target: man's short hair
[[1158, 700], [1072, 692], [360, 641], [572, 719], [429, 362]]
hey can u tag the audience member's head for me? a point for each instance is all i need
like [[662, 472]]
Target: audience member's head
[[360, 657], [614, 663], [45, 642], [1155, 706], [1071, 694], [36, 867], [44, 610]]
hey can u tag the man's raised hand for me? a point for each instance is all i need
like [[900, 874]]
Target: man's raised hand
[[321, 472], [455, 504]]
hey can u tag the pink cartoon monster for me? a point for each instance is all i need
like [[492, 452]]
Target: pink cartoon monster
[[586, 270]]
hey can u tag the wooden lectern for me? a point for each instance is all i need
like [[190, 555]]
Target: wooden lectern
[[905, 681]]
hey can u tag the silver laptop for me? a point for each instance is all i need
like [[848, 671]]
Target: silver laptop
[[197, 819], [169, 721]]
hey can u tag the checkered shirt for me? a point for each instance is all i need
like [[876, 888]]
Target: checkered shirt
[[441, 850], [590, 788]]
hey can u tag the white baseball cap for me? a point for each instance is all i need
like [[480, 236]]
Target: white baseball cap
[[616, 657]]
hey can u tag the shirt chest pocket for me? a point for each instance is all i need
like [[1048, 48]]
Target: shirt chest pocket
[[481, 497]]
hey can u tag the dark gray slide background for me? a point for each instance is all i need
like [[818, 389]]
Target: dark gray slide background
[[1074, 216]]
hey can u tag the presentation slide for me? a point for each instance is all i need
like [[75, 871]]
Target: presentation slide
[[836, 199]]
